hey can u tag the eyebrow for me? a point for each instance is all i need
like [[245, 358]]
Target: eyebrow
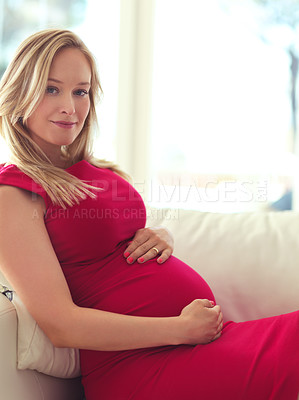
[[57, 81]]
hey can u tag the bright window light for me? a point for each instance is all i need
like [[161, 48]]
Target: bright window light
[[221, 104]]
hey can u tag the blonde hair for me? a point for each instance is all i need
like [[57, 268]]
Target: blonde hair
[[22, 87]]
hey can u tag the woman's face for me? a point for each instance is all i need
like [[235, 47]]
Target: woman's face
[[60, 116]]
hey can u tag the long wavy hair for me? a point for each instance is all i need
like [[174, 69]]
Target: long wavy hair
[[22, 87]]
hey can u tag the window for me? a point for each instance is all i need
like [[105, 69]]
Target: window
[[199, 97], [221, 135], [96, 22]]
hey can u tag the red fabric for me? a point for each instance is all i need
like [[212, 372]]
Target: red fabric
[[252, 360]]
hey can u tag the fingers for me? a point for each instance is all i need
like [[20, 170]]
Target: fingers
[[201, 303], [217, 336], [208, 303], [219, 322], [164, 256], [142, 250], [147, 244], [219, 326]]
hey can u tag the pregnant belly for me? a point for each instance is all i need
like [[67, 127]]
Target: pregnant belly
[[148, 289]]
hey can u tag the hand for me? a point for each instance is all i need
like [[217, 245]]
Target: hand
[[202, 322], [148, 243]]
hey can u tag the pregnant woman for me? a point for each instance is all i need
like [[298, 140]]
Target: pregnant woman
[[73, 243]]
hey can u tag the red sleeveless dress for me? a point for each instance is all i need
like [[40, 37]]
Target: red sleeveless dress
[[254, 360]]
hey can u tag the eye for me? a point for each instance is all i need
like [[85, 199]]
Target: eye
[[81, 92], [52, 90]]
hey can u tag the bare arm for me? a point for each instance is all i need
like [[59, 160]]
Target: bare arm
[[28, 260]]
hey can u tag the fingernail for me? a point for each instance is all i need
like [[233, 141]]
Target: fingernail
[[212, 302], [126, 254], [130, 260], [141, 259], [160, 260]]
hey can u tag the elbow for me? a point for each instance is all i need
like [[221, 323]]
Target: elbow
[[59, 331], [58, 341], [59, 338]]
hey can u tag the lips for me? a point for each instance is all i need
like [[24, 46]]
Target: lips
[[64, 124]]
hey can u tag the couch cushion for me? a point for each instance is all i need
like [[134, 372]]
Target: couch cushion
[[250, 260]]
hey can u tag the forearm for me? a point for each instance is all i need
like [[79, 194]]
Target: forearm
[[100, 330]]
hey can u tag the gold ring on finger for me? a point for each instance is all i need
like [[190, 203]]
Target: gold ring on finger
[[156, 250]]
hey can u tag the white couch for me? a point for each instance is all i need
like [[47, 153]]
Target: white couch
[[27, 384], [251, 262]]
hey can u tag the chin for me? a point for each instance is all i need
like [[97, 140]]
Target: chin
[[66, 142]]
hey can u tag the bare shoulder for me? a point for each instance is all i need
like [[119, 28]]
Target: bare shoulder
[[16, 202]]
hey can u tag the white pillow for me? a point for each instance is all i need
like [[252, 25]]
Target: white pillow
[[36, 351]]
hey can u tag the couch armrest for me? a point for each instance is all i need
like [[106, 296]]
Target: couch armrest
[[13, 383], [27, 384]]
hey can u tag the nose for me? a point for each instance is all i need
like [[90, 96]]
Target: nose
[[67, 105]]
